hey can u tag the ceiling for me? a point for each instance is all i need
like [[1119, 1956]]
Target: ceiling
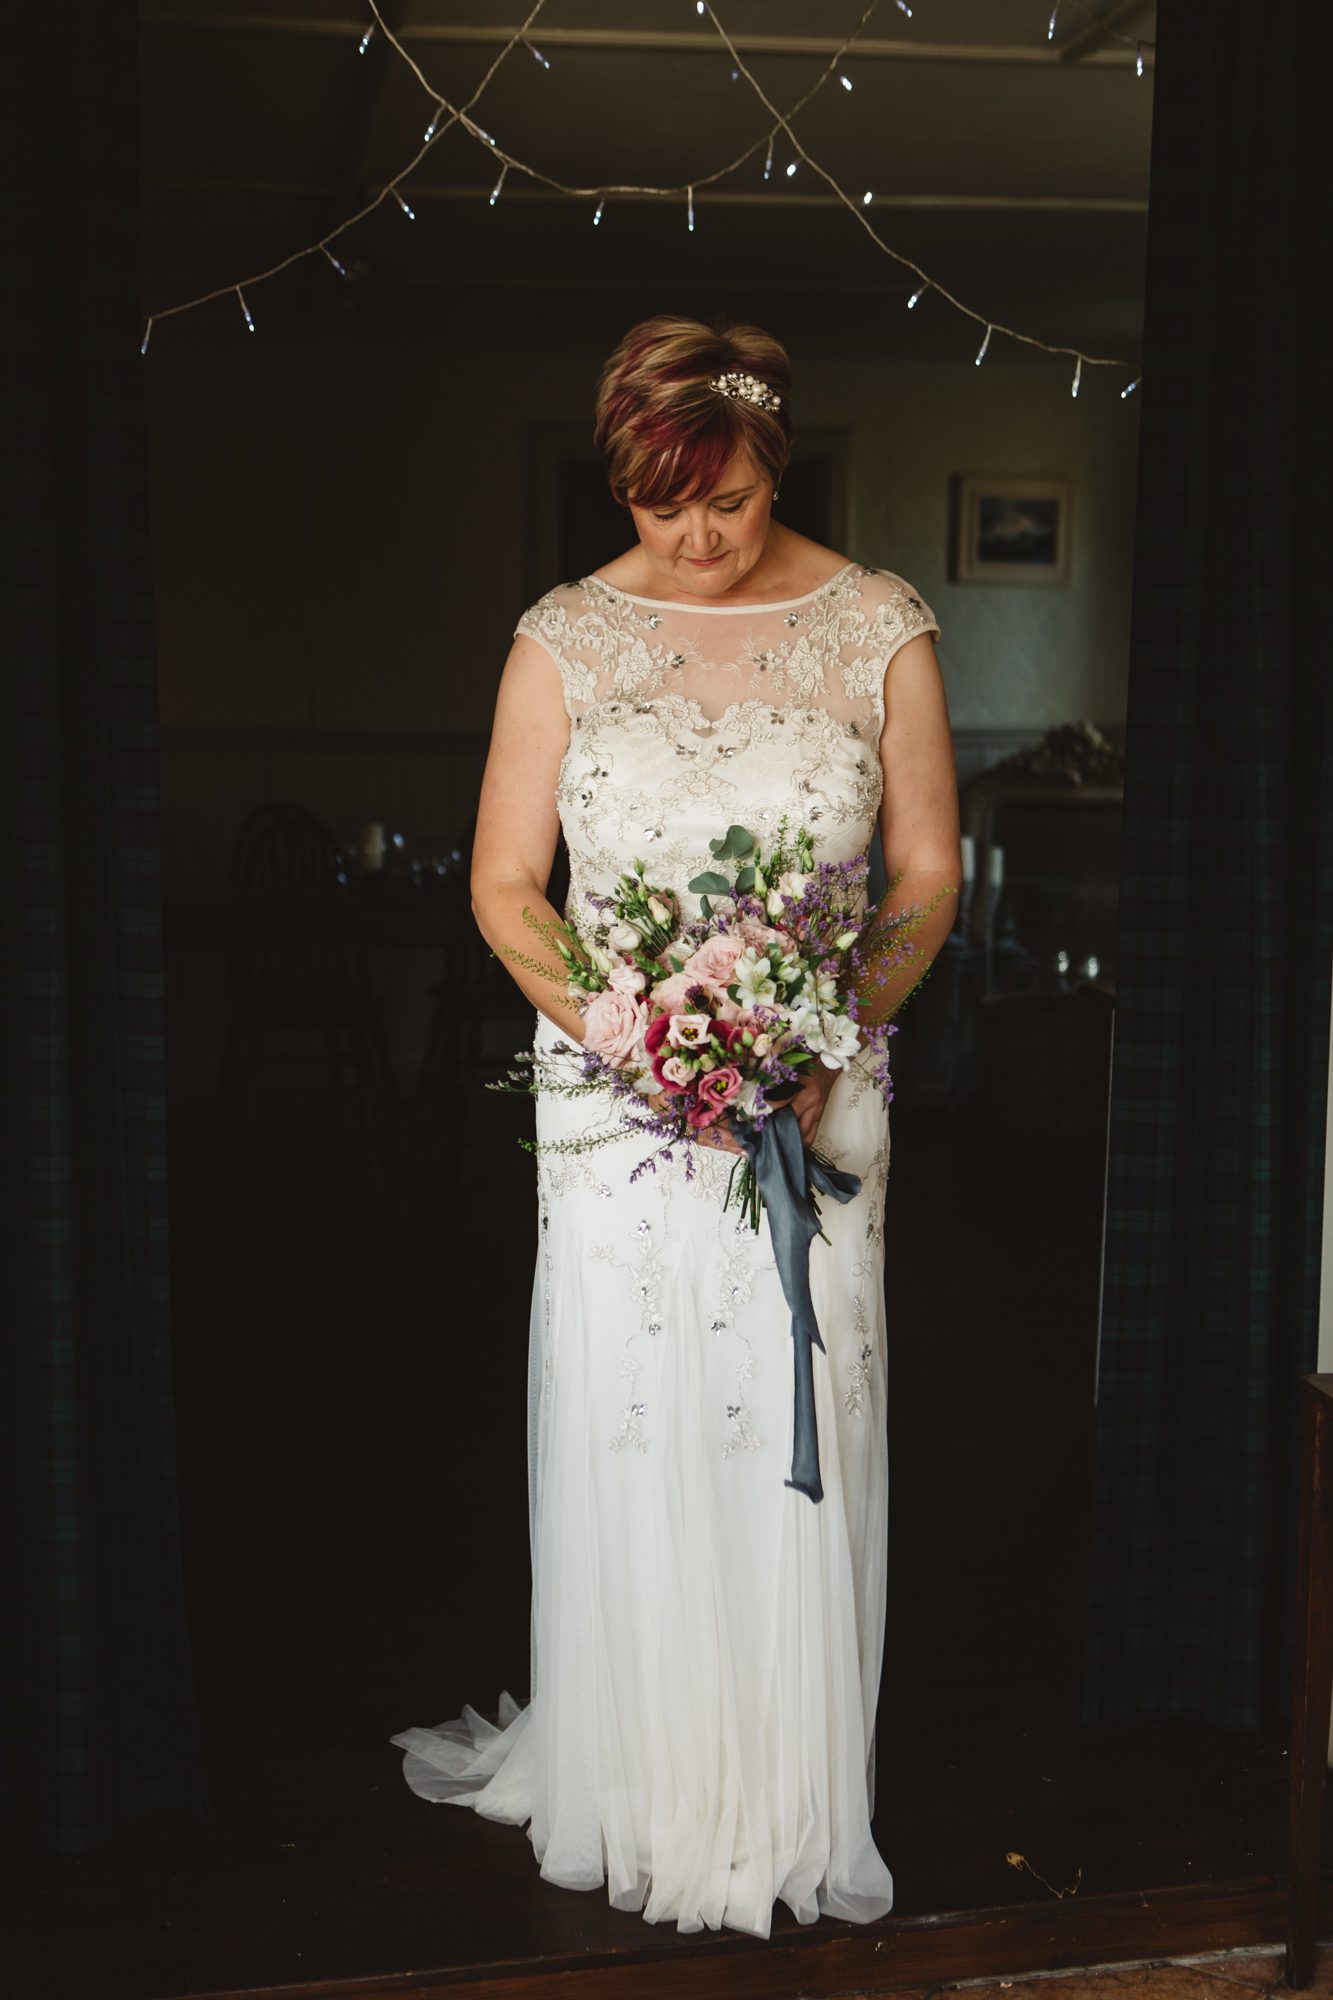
[[1011, 168]]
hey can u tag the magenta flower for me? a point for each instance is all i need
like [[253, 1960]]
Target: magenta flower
[[713, 1094]]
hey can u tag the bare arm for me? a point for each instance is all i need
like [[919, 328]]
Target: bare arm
[[518, 825], [918, 817]]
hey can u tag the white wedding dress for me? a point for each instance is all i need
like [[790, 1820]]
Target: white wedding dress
[[706, 1641]]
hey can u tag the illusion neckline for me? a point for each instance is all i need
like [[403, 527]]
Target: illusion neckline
[[715, 610]]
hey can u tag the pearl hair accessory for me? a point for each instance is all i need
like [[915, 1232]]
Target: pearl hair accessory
[[748, 388]]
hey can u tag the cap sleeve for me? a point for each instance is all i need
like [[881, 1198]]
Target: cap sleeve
[[900, 614], [554, 622]]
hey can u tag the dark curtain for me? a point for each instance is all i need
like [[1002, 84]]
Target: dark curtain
[[98, 1722], [1215, 1166]]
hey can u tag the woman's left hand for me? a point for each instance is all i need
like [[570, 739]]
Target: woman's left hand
[[810, 1099]]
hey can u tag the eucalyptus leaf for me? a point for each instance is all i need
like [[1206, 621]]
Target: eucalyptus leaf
[[710, 883], [735, 844], [705, 907], [745, 880]]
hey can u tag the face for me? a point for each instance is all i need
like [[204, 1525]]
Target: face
[[705, 546]]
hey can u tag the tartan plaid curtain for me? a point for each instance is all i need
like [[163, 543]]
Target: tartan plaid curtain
[[1215, 1168], [98, 1723]]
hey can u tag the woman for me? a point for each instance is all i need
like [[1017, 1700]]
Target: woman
[[706, 1642]]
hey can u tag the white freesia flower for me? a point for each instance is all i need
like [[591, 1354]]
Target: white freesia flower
[[623, 936], [774, 903], [754, 978], [605, 961], [792, 885], [845, 938], [826, 990], [658, 910]]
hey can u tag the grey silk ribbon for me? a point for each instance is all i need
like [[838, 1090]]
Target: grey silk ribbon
[[784, 1175]]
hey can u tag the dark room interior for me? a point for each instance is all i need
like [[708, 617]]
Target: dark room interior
[[355, 451]]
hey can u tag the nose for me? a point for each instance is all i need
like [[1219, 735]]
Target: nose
[[700, 539]]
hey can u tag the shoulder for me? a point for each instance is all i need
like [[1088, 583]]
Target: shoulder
[[558, 617], [561, 602], [895, 607], [571, 622]]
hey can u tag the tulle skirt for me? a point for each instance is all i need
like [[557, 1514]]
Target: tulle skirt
[[706, 1641]]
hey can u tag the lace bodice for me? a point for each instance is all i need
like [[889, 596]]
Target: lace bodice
[[686, 717]]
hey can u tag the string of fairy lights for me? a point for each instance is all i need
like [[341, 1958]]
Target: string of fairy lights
[[445, 115]]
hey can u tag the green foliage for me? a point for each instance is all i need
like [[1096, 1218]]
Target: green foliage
[[734, 845]]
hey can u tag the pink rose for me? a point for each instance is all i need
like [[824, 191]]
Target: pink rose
[[715, 960], [676, 1070], [670, 993], [612, 1025], [751, 931], [714, 1094], [627, 979]]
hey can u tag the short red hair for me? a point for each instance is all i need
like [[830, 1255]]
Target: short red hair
[[663, 433]]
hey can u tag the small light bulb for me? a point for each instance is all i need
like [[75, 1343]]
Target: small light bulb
[[341, 269], [365, 39], [430, 129], [245, 309], [768, 163], [1078, 371], [867, 198], [689, 208], [903, 8], [539, 56], [1138, 58], [791, 169], [1132, 387], [845, 81], [147, 333], [403, 205], [981, 351], [735, 76], [1050, 25], [480, 131], [698, 6], [917, 294], [597, 212], [495, 191]]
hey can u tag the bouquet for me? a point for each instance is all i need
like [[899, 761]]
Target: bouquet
[[689, 1020]]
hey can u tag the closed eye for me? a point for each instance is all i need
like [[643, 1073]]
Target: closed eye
[[734, 508]]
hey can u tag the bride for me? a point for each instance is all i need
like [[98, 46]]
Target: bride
[[706, 1640]]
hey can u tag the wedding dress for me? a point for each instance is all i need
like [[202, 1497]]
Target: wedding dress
[[706, 1641]]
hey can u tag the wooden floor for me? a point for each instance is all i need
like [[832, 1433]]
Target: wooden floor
[[351, 1370]]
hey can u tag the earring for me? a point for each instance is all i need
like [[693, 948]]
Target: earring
[[775, 492]]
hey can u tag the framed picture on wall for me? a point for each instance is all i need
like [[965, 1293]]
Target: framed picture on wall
[[1011, 527]]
